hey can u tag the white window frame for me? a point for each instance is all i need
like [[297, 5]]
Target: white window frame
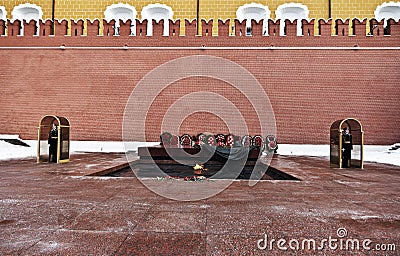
[[250, 11], [302, 13], [20, 12], [387, 11], [3, 13], [155, 11], [122, 12]]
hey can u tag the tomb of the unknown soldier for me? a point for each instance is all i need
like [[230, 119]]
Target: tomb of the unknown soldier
[[199, 127]]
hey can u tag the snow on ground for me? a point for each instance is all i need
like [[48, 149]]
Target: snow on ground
[[372, 153], [10, 151]]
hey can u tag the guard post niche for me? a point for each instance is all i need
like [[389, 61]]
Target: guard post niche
[[338, 147], [63, 139]]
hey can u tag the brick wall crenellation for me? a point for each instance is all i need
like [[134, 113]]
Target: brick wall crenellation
[[93, 28]]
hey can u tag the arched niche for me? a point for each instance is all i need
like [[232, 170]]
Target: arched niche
[[338, 142], [291, 11], [61, 137], [387, 11], [122, 12], [157, 12], [3, 13], [27, 12], [256, 12]]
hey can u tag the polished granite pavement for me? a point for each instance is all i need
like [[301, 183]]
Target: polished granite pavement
[[50, 209]]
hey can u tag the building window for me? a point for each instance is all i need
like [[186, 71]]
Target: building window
[[122, 12], [292, 12], [3, 13], [256, 12], [387, 11], [157, 12], [27, 12]]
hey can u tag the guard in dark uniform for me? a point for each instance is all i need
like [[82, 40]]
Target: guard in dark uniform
[[53, 139], [347, 146]]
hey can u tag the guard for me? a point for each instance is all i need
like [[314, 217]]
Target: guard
[[53, 140], [347, 146]]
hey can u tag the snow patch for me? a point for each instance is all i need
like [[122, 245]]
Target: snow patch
[[372, 153]]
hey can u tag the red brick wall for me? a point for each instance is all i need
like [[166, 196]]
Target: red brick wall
[[309, 87]]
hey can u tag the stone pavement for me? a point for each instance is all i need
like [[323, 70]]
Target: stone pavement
[[49, 209]]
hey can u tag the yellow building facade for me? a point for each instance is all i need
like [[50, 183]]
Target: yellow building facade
[[208, 9], [190, 9]]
